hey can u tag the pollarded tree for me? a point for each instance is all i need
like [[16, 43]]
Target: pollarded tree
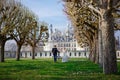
[[105, 10], [8, 10], [36, 35], [26, 22], [85, 26]]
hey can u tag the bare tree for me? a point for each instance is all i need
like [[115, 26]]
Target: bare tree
[[8, 8], [26, 22], [39, 33], [105, 10], [85, 25]]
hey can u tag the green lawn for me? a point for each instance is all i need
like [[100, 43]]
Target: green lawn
[[46, 69]]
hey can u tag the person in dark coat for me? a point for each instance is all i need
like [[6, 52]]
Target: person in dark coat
[[55, 51]]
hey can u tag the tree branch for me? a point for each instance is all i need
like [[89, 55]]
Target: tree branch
[[118, 5], [96, 10]]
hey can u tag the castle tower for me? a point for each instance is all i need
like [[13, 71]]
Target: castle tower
[[51, 31]]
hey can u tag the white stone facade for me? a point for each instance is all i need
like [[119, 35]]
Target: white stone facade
[[62, 39]]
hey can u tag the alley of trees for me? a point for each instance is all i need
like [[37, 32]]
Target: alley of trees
[[19, 23], [94, 23]]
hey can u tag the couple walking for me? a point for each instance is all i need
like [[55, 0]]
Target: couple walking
[[64, 56]]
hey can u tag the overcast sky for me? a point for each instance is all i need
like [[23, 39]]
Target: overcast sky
[[50, 11]]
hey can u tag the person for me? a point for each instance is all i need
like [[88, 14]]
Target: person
[[55, 51], [65, 56]]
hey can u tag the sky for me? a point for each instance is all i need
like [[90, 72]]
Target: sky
[[50, 11]]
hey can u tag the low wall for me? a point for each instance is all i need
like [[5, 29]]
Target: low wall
[[48, 54]]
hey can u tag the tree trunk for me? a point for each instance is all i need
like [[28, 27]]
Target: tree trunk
[[109, 54], [93, 56], [2, 45], [18, 53], [33, 52], [100, 48], [92, 53], [97, 52]]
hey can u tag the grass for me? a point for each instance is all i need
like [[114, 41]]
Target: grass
[[46, 69]]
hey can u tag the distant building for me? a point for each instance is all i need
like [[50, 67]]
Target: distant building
[[63, 39]]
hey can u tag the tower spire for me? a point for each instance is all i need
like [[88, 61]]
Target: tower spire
[[51, 31], [51, 28]]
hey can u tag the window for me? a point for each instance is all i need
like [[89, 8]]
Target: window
[[75, 54], [30, 54], [118, 53], [45, 54], [70, 54], [21, 54], [6, 53], [79, 54], [74, 49], [35, 54], [40, 54], [58, 54], [85, 54], [50, 54], [64, 45], [74, 45]]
